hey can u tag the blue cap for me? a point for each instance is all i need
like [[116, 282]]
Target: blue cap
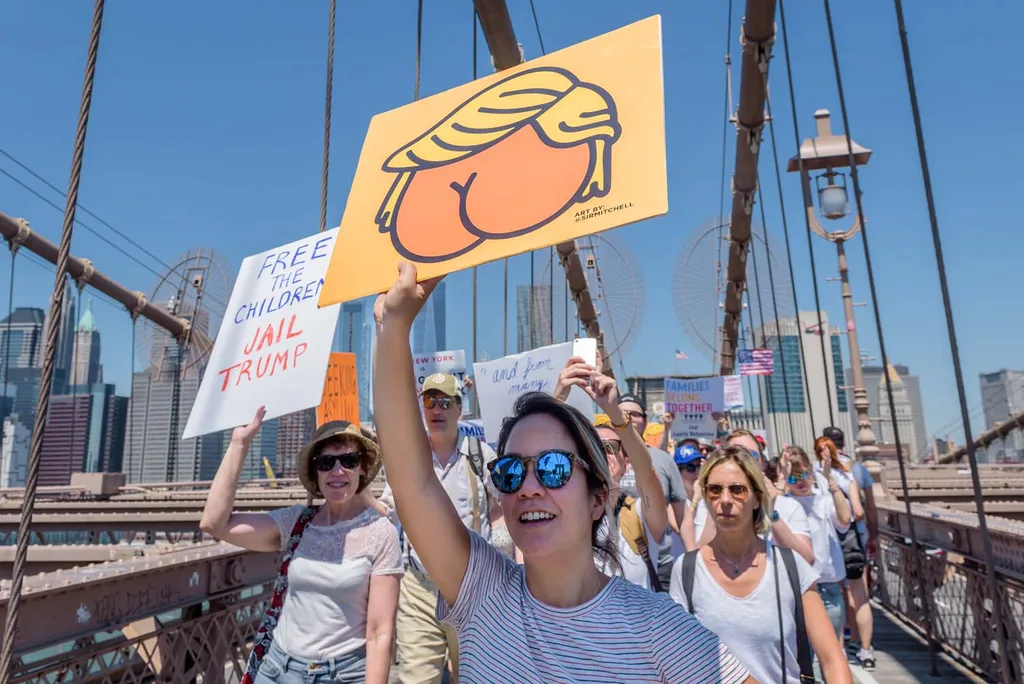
[[687, 453]]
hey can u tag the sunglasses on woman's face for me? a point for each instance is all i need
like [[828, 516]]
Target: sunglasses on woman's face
[[553, 469], [325, 462], [797, 477], [612, 447], [740, 492], [444, 402]]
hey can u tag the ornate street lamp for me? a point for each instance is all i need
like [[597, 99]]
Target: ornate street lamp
[[826, 153]]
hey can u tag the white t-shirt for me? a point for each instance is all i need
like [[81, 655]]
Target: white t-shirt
[[634, 568], [624, 634], [825, 529], [749, 625], [324, 612], [791, 513]]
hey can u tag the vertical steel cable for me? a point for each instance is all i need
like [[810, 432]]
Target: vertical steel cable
[[46, 380], [7, 339], [789, 255], [474, 268], [760, 314], [807, 221], [74, 368], [329, 97], [419, 48], [533, 308], [979, 500], [540, 39], [775, 309], [720, 236], [131, 404], [760, 392]]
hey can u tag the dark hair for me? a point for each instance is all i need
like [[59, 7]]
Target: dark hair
[[340, 440], [835, 434], [589, 449]]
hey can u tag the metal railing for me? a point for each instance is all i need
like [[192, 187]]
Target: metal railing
[[956, 588]]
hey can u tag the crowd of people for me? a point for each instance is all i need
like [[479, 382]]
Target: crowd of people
[[569, 553]]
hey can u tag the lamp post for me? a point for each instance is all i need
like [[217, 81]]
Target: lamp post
[[826, 153]]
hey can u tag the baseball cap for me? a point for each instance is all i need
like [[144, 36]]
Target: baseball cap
[[630, 398], [687, 453], [443, 383], [835, 434]]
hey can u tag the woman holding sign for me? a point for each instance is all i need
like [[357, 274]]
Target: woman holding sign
[[557, 617], [332, 616]]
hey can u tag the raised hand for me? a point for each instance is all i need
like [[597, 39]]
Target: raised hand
[[826, 466], [405, 299], [244, 434], [576, 373], [604, 391]]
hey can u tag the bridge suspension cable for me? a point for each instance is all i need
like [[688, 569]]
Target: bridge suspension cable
[[46, 376], [979, 500], [328, 100], [720, 236]]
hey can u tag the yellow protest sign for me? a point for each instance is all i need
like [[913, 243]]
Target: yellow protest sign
[[563, 146]]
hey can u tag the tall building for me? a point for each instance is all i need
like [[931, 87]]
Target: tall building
[[293, 431], [906, 394], [25, 346], [428, 331], [353, 336], [150, 442], [539, 310], [86, 370], [84, 433], [14, 452], [786, 399], [1002, 396]]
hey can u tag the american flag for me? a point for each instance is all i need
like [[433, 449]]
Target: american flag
[[756, 361], [681, 356]]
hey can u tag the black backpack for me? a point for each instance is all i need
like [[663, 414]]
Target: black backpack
[[853, 552], [803, 646]]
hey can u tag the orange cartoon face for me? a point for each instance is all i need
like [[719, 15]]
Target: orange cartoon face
[[506, 162]]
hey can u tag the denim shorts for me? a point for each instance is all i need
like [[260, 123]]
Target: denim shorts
[[832, 596], [280, 668]]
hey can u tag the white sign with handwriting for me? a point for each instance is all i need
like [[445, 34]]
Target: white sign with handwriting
[[500, 382]]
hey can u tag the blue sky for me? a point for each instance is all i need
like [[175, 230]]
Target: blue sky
[[207, 126]]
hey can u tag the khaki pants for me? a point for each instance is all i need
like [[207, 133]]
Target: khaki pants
[[423, 642]]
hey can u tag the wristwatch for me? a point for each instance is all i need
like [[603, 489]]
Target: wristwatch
[[775, 516]]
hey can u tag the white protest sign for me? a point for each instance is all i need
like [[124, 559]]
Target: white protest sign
[[732, 390], [274, 343], [500, 382], [695, 403], [450, 362]]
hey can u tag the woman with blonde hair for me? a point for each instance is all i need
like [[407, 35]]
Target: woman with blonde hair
[[759, 598], [557, 617]]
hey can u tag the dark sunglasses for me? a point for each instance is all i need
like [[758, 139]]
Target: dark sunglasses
[[325, 462], [690, 467], [612, 447], [740, 492], [444, 402], [553, 469]]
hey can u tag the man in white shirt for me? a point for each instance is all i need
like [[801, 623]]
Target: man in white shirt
[[424, 644], [789, 521]]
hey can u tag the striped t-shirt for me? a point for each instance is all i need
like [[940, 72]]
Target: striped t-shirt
[[624, 634]]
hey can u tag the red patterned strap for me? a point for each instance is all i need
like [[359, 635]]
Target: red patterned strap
[[265, 632]]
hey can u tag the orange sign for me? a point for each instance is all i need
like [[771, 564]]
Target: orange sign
[[563, 146], [341, 390]]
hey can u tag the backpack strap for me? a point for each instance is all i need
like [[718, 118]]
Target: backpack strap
[[803, 647], [631, 527], [475, 456], [689, 571]]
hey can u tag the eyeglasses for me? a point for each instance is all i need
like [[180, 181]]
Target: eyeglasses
[[553, 469], [635, 414], [797, 477], [444, 402], [690, 467], [349, 461], [740, 492], [612, 447]]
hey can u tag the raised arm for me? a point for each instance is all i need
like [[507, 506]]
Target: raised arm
[[855, 504], [602, 390], [252, 531], [428, 516], [823, 639]]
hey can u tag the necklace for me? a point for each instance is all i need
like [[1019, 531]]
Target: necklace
[[735, 566]]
